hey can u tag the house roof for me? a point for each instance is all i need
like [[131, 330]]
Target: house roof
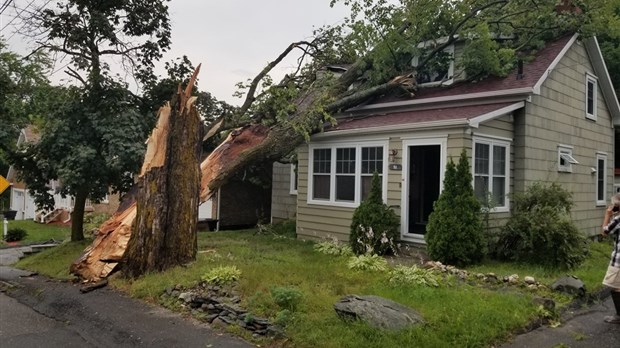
[[535, 72], [31, 134], [444, 116]]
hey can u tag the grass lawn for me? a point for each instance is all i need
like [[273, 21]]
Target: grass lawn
[[457, 314], [41, 232], [54, 262]]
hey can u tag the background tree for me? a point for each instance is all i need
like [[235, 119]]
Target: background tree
[[94, 140], [23, 86], [454, 234]]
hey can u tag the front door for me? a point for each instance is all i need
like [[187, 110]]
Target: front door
[[423, 177]]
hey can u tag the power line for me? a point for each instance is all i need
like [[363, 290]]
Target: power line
[[18, 15], [5, 6]]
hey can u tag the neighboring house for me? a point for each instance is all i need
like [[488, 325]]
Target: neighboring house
[[240, 203], [550, 120], [284, 192], [23, 202]]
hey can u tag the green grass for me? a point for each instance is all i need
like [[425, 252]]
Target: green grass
[[54, 262], [40, 232], [457, 314]]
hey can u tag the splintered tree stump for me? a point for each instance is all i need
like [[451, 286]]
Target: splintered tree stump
[[155, 226], [164, 233]]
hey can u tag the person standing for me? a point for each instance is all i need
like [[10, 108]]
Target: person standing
[[611, 226]]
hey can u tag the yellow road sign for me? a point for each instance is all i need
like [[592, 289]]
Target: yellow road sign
[[3, 184]]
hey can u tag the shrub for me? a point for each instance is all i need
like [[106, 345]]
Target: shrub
[[333, 248], [540, 230], [15, 234], [93, 221], [222, 275], [368, 262], [402, 275], [454, 234], [374, 225], [285, 297]]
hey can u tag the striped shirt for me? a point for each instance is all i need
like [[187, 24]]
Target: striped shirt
[[614, 228]]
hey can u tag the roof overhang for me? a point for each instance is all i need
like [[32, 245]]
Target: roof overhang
[[476, 121], [607, 87]]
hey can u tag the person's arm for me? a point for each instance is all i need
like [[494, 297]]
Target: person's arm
[[608, 222]]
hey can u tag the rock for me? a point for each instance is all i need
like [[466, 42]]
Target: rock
[[235, 299], [512, 279], [234, 309], [529, 280], [275, 332], [255, 335], [377, 312], [211, 317], [218, 322], [186, 297], [570, 285], [226, 320], [175, 293], [168, 290], [547, 303], [492, 277]]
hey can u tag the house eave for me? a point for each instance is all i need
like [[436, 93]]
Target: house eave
[[600, 68], [394, 128], [476, 121], [554, 63], [514, 92]]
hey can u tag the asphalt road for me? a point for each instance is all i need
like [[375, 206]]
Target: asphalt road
[[37, 312]]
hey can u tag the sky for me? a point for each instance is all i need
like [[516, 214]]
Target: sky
[[233, 39]]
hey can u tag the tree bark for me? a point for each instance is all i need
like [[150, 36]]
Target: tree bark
[[77, 216], [164, 231]]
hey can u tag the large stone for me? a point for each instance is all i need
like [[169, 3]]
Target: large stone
[[377, 311], [570, 284]]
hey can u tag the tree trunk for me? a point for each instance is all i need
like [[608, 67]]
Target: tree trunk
[[164, 232], [77, 216]]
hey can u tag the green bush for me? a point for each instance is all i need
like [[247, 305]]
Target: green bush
[[540, 230], [222, 275], [374, 226], [15, 234], [454, 234], [333, 248], [403, 275], [368, 262], [286, 298]]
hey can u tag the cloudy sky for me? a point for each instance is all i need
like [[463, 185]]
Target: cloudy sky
[[233, 39]]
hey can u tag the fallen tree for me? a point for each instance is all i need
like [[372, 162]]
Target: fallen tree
[[379, 39]]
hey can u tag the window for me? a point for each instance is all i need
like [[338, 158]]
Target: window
[[566, 159], [438, 71], [294, 178], [601, 179], [342, 174], [591, 96], [491, 163]]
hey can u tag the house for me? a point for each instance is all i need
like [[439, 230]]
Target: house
[[22, 202], [552, 119], [284, 192], [242, 202]]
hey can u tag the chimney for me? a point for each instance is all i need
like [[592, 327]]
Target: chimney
[[520, 74]]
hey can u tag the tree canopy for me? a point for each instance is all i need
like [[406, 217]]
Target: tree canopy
[[92, 138]]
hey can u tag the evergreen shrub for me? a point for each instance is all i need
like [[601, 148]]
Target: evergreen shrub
[[15, 234], [540, 230], [374, 226], [454, 234]]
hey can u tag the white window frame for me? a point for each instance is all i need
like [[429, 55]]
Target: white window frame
[[492, 142], [450, 50], [590, 78], [601, 156], [358, 172], [565, 152], [294, 182]]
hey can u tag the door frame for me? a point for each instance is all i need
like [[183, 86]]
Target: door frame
[[442, 142]]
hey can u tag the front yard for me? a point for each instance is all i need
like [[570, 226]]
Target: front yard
[[458, 313]]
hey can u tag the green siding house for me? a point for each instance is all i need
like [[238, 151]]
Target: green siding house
[[551, 120]]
